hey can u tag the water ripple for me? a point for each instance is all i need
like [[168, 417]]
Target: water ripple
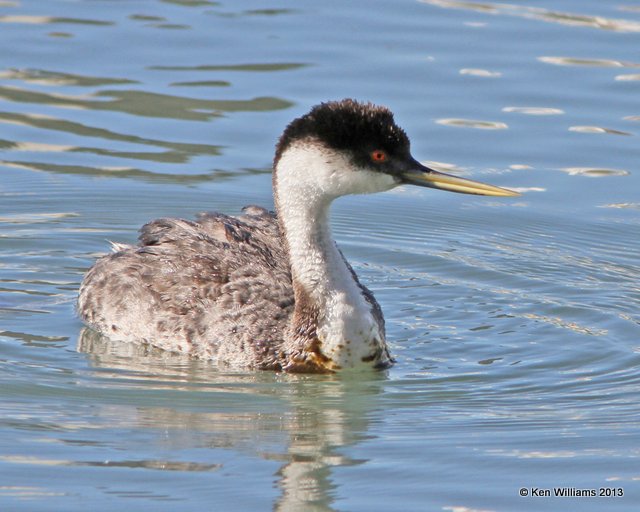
[[600, 63], [162, 465], [594, 172], [534, 111], [597, 129], [632, 206], [628, 78], [127, 172], [480, 72], [144, 103], [541, 14], [472, 123], [36, 218], [51, 20], [71, 127], [255, 67], [56, 78]]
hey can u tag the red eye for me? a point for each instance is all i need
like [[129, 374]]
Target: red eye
[[378, 156]]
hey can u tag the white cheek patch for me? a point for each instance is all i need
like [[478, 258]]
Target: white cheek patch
[[369, 182], [321, 171]]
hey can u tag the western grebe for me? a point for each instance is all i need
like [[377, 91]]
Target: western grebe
[[267, 290]]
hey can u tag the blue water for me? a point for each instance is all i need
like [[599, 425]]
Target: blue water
[[515, 322]]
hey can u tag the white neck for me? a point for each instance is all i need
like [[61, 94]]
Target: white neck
[[306, 183]]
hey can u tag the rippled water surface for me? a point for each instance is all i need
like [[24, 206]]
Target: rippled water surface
[[515, 322]]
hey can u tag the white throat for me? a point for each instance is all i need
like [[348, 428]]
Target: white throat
[[306, 184]]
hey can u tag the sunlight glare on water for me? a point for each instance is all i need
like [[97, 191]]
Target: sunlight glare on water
[[514, 321]]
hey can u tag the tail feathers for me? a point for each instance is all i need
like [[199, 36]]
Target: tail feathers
[[118, 247]]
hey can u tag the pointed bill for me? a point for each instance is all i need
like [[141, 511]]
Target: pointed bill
[[425, 177]]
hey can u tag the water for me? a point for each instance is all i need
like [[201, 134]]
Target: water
[[514, 321]]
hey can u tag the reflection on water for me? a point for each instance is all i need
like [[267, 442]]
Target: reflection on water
[[63, 125], [538, 13], [126, 172], [470, 123], [534, 111], [594, 172], [142, 103], [622, 205], [53, 78], [598, 63], [315, 418], [276, 66], [480, 72], [596, 129], [515, 324], [628, 78], [51, 20]]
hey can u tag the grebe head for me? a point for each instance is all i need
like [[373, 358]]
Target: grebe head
[[348, 147]]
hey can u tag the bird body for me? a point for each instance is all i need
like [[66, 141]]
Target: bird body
[[267, 290]]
